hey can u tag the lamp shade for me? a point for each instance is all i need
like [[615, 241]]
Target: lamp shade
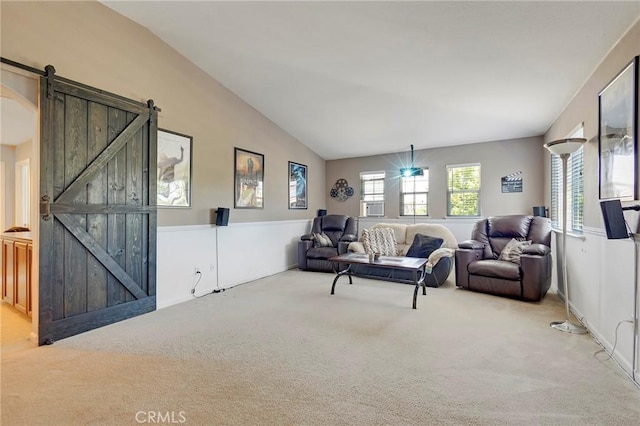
[[565, 146]]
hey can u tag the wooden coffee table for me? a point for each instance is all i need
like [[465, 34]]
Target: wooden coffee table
[[414, 264]]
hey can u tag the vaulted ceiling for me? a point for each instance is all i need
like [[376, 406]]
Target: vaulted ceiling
[[351, 79]]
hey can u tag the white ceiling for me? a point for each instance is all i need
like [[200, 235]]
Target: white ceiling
[[351, 79]]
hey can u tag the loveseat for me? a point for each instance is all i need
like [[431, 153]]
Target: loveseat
[[440, 255], [314, 252], [507, 256]]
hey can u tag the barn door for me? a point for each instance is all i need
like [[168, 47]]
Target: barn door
[[98, 213]]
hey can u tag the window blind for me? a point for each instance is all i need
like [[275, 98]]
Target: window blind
[[414, 192], [463, 193], [575, 191], [372, 186]]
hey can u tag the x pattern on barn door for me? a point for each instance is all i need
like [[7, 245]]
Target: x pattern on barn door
[[98, 195]]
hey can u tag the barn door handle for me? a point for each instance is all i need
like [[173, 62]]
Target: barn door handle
[[45, 206]]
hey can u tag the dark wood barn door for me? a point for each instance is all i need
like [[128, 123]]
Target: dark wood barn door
[[98, 213]]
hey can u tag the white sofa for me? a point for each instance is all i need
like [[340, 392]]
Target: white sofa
[[440, 261]]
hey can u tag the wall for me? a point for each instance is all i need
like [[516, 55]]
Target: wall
[[92, 44], [600, 271], [497, 159], [225, 256]]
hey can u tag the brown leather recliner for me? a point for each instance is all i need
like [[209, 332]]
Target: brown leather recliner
[[341, 229], [478, 267]]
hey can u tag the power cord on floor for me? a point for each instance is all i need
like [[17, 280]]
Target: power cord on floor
[[197, 277], [610, 354], [615, 342]]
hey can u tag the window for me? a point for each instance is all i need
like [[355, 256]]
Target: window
[[372, 186], [575, 188], [413, 195], [463, 192]]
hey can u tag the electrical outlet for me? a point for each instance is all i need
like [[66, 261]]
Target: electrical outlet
[[212, 267], [196, 270]]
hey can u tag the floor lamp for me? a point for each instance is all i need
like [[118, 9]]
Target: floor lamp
[[564, 148]]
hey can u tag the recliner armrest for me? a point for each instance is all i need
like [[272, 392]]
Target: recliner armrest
[[463, 258], [349, 238], [471, 244], [536, 249], [307, 237], [303, 247]]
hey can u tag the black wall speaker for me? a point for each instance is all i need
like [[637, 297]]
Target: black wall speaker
[[222, 216], [614, 219], [540, 211], [322, 212]]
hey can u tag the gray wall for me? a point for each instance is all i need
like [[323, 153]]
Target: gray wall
[[92, 44], [583, 108], [497, 159]]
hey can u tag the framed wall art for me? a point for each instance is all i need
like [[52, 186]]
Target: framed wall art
[[297, 186], [174, 169], [618, 134], [248, 179]]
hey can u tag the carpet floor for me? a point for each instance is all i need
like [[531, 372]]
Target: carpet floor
[[282, 351]]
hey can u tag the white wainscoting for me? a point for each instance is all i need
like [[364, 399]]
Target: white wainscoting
[[248, 251], [225, 256], [601, 289]]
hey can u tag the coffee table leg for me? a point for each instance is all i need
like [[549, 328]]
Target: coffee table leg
[[341, 273], [418, 283]]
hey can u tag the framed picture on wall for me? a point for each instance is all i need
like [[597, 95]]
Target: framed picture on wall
[[248, 179], [297, 186], [617, 147], [174, 169]]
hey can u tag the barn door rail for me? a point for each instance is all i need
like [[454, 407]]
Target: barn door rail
[[50, 71]]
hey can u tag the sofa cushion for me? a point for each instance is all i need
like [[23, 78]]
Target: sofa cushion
[[512, 251], [379, 240], [399, 230], [424, 245], [495, 268], [434, 230], [322, 240]]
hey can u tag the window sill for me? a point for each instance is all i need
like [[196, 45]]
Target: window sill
[[571, 234]]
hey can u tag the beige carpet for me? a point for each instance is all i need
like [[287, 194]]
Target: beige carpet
[[282, 351]]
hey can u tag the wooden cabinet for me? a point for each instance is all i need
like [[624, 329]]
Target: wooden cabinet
[[16, 270]]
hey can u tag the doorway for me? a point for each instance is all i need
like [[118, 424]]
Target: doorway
[[19, 153]]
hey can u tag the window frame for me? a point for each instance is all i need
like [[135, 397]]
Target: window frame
[[425, 171], [450, 191], [375, 177], [575, 188]]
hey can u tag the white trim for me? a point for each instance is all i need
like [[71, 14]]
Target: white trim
[[380, 172], [569, 234], [182, 228], [463, 165], [23, 193], [2, 227]]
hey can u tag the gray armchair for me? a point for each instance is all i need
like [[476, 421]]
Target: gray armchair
[[479, 267], [340, 229]]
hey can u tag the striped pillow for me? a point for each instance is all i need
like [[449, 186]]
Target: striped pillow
[[379, 240]]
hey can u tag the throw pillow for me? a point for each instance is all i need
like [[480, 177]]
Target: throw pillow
[[424, 245], [512, 251], [379, 240], [321, 240]]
